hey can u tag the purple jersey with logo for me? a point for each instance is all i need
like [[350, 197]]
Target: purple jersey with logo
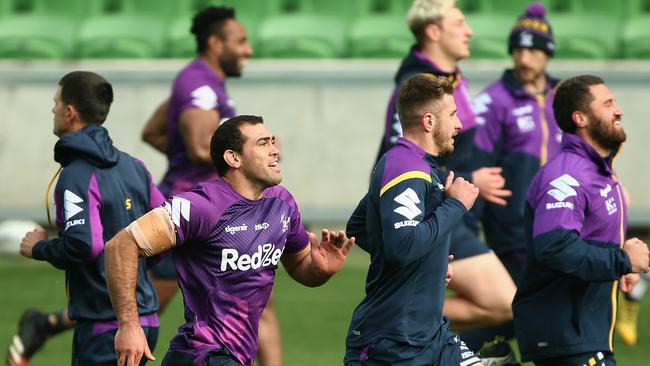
[[516, 131], [196, 87], [576, 220], [228, 248]]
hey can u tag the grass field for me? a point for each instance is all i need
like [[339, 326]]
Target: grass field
[[314, 321]]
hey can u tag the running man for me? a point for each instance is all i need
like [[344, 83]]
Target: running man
[[227, 236], [410, 216], [100, 190]]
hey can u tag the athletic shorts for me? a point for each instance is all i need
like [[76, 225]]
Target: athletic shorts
[[90, 349], [165, 268], [583, 359], [465, 242], [445, 350], [217, 358]]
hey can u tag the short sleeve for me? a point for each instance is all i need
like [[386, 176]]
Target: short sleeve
[[192, 215]]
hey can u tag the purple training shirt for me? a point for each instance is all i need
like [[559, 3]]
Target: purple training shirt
[[228, 248], [196, 87]]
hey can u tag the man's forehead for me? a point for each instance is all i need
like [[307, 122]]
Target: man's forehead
[[233, 28], [601, 92], [256, 131]]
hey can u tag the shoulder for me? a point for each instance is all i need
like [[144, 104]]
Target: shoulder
[[564, 176], [399, 165]]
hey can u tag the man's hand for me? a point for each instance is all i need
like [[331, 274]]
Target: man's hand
[[639, 255], [329, 256], [30, 239], [450, 271], [628, 282], [461, 190], [131, 345], [490, 185]]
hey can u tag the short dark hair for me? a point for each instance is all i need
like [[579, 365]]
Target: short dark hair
[[210, 21], [418, 92], [228, 136], [573, 95], [89, 93]]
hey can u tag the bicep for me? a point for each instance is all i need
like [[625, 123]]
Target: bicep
[[197, 127]]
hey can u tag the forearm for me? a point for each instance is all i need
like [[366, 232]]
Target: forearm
[[307, 274], [404, 246], [62, 253], [566, 252], [121, 255]]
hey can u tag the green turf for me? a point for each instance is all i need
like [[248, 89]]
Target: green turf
[[313, 321]]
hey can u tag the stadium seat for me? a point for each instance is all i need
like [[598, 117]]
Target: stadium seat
[[380, 36], [490, 38], [125, 29], [635, 37], [304, 28], [302, 36], [180, 40], [38, 28]]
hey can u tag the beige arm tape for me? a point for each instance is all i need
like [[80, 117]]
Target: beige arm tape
[[153, 232]]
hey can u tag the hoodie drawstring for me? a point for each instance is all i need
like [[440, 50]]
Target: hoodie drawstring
[[47, 197]]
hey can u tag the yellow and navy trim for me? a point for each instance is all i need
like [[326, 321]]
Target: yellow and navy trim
[[414, 174]]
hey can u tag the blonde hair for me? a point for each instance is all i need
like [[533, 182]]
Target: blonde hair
[[425, 12]]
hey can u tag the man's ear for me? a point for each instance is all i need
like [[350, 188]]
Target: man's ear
[[215, 43], [580, 119], [432, 32], [232, 158], [428, 121]]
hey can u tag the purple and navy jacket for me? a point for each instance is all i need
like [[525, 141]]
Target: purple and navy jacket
[[195, 87], [576, 220], [408, 224], [517, 132], [99, 192], [415, 63], [227, 251]]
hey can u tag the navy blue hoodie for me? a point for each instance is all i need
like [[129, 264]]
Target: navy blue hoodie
[[100, 191]]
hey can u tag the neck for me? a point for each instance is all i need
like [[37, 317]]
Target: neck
[[213, 64], [425, 142], [443, 61], [534, 87], [602, 151], [243, 186]]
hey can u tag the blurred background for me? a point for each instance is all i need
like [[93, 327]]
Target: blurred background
[[321, 78]]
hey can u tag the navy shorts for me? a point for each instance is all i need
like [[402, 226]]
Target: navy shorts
[[165, 268], [465, 242], [216, 358], [583, 359], [90, 349], [445, 350]]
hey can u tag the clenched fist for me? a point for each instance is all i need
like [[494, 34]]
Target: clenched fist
[[461, 190]]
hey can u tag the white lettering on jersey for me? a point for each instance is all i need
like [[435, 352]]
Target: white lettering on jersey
[[74, 222], [180, 207], [408, 201], [563, 187], [610, 205], [70, 207], [520, 111], [480, 105], [265, 255], [409, 209], [235, 229], [285, 222], [526, 123], [262, 226], [605, 191], [204, 97]]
